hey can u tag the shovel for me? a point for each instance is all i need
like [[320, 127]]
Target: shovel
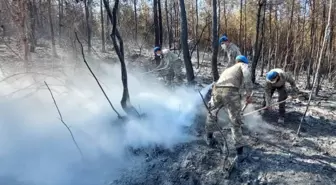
[[246, 104]]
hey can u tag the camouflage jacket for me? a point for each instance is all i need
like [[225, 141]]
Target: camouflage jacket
[[169, 59], [284, 77], [237, 76], [232, 51]]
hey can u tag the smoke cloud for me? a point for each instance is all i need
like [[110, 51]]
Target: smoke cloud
[[36, 148]]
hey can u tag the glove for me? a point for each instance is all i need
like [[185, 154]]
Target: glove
[[248, 99]]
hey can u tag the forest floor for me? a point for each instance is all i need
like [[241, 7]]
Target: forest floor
[[277, 156]]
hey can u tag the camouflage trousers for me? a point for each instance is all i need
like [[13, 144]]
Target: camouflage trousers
[[228, 99], [282, 96], [173, 70]]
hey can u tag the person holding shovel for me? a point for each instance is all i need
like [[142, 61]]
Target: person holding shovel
[[226, 94], [276, 80], [170, 64]]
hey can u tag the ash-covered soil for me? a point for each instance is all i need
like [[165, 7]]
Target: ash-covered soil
[[277, 155]]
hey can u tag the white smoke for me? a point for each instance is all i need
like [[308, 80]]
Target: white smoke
[[36, 148], [254, 122]]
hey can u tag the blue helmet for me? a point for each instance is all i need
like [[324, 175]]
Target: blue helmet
[[223, 39], [157, 48], [242, 58], [271, 75]]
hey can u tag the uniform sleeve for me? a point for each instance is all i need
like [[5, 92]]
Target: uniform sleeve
[[247, 79], [289, 78], [268, 93]]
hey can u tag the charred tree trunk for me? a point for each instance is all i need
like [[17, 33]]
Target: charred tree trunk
[[269, 62], [160, 23], [125, 100], [157, 29], [320, 73], [241, 23], [289, 34], [88, 23], [53, 42], [102, 26], [168, 25], [32, 14], [326, 37], [184, 43], [214, 69], [312, 48], [219, 18], [245, 29], [196, 33], [135, 20], [107, 35], [258, 43], [60, 19]]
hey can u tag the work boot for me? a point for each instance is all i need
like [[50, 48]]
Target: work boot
[[211, 141], [240, 157]]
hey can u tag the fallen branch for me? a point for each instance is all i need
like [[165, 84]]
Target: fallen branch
[[87, 65], [61, 118], [218, 127]]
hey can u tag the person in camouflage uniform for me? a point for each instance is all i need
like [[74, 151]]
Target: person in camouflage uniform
[[231, 49], [226, 94], [276, 80], [171, 65]]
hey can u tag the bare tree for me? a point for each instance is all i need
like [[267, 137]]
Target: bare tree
[[160, 22], [102, 26], [135, 20], [214, 69], [32, 20], [184, 43], [318, 66], [119, 48], [258, 41], [53, 42], [87, 4]]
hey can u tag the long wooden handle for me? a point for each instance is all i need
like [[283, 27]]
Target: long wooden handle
[[277, 103]]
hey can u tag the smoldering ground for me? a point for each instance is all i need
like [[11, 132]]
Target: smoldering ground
[[37, 149]]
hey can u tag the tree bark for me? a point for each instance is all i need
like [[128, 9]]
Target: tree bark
[[160, 23], [312, 39], [270, 47], [135, 20], [60, 18], [196, 33], [214, 69], [184, 43], [257, 44], [241, 23], [289, 34], [53, 42], [32, 14], [326, 37], [88, 22], [157, 29], [168, 25], [125, 100], [102, 26]]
